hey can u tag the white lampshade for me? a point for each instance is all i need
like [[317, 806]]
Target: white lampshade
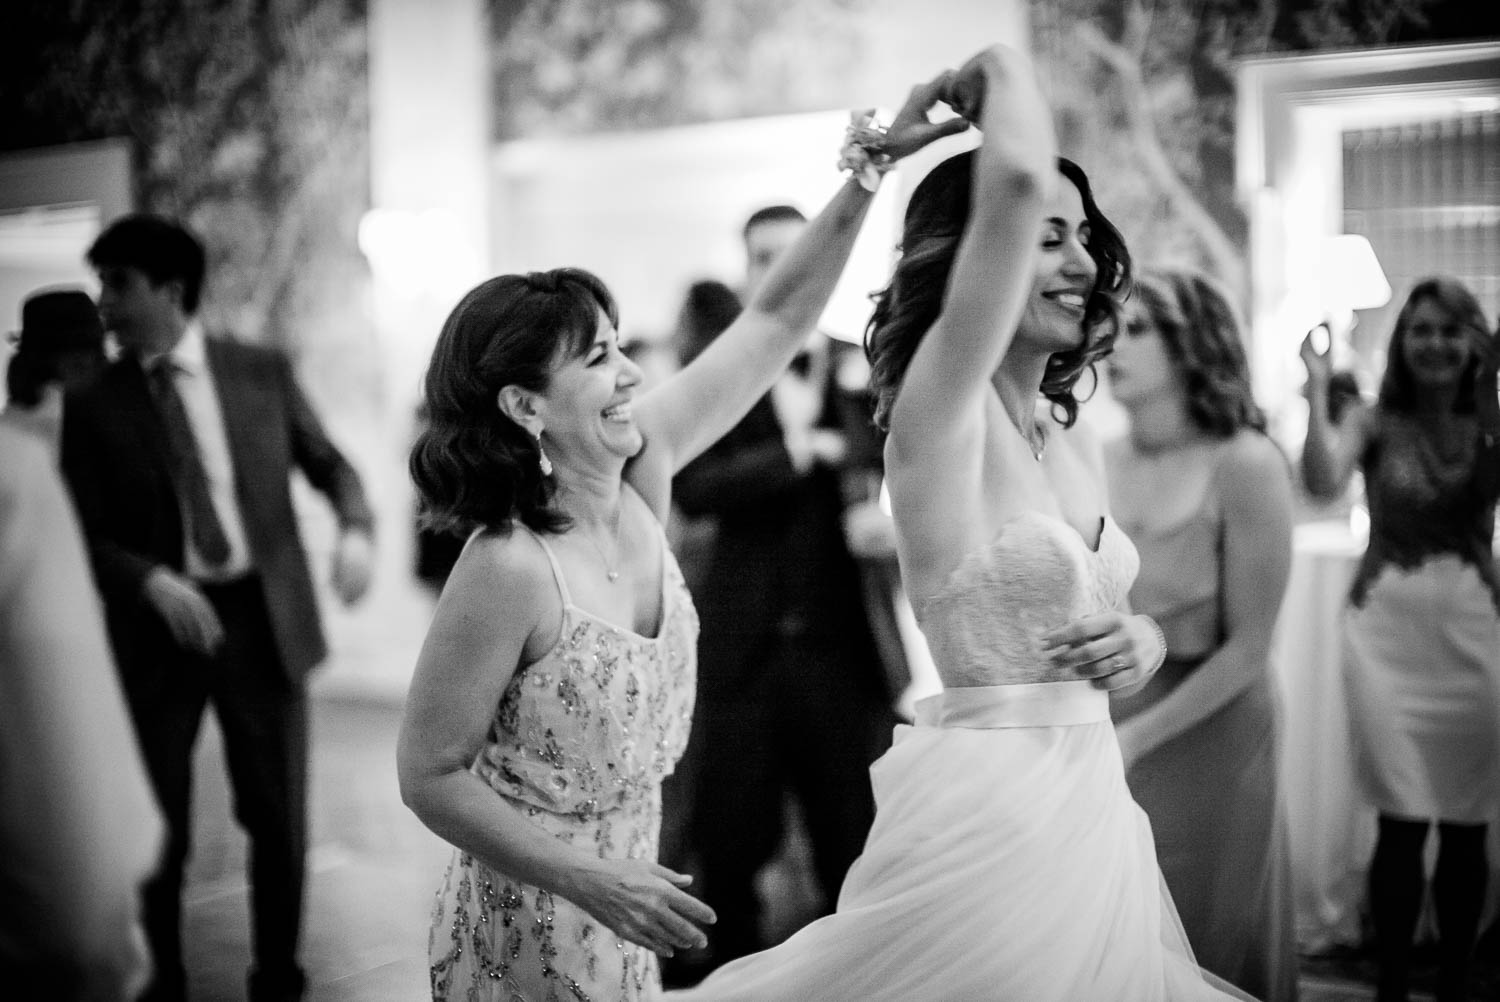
[[1352, 278]]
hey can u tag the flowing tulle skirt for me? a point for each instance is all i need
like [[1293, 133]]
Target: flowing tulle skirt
[[1007, 861]]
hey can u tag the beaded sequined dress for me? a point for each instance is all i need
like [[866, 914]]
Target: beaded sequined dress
[[580, 743], [1007, 860]]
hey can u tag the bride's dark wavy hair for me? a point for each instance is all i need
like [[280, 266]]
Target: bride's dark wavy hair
[[908, 307], [473, 466]]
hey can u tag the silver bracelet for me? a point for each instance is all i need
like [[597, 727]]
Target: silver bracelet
[[1161, 638]]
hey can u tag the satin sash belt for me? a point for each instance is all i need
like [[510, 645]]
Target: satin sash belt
[[1030, 704]]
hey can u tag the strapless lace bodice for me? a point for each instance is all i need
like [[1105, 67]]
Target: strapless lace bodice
[[983, 626]]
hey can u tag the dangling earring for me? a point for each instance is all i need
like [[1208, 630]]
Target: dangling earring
[[542, 460]]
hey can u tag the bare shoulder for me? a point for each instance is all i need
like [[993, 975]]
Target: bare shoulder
[[497, 571], [1252, 453], [1252, 467]]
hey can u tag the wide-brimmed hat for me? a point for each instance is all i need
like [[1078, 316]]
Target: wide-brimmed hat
[[60, 321]]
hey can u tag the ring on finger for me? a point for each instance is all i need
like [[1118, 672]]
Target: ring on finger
[[1118, 663]]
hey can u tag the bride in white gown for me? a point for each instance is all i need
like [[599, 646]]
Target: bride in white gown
[[1007, 860]]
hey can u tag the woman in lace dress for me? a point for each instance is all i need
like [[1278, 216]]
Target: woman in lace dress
[[1207, 499], [1007, 859], [1424, 618], [555, 687]]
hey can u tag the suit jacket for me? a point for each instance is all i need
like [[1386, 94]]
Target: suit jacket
[[779, 557], [114, 456]]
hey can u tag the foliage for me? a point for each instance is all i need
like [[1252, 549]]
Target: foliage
[[1154, 99], [249, 122], [568, 66]]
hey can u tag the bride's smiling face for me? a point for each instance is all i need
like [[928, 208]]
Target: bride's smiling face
[[1064, 275]]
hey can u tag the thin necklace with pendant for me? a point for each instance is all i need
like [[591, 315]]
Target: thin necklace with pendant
[[610, 570]]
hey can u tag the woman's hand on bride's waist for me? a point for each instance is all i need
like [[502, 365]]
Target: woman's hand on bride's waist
[[1111, 649]]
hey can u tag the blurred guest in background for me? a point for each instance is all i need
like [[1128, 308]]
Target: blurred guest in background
[[656, 359], [1424, 622], [60, 347], [79, 830], [792, 697], [179, 458], [707, 311], [555, 689], [1207, 499]]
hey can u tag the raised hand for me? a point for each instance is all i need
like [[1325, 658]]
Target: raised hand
[[1319, 362], [1111, 649], [911, 130], [967, 85], [643, 902]]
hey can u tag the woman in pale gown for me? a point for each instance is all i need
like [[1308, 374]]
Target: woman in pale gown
[[556, 684], [1207, 499], [1007, 860]]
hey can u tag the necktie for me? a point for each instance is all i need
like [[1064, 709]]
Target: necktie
[[188, 476]]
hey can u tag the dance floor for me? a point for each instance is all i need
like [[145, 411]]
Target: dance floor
[[373, 868]]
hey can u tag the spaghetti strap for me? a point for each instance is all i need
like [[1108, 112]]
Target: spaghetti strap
[[557, 574]]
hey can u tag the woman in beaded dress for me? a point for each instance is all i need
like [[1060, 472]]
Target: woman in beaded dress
[[1207, 499], [1007, 859], [555, 687], [1423, 624]]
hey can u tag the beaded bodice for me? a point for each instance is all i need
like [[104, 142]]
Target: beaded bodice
[[983, 626], [591, 728], [1428, 498]]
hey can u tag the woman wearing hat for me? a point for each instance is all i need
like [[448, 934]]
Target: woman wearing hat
[[60, 346]]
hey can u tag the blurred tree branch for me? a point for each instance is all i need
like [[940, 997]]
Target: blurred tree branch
[[248, 120], [1124, 59], [1154, 99], [568, 66]]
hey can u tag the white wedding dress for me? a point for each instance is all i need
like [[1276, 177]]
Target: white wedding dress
[[1007, 860]]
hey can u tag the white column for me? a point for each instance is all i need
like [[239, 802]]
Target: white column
[[426, 239]]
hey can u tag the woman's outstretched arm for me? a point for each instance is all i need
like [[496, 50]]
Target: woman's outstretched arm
[[688, 413], [992, 273], [937, 427], [1330, 451]]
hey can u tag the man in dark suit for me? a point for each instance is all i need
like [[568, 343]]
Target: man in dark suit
[[178, 458], [793, 696]]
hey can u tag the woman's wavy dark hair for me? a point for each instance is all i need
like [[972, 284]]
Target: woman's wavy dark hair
[[473, 466], [1203, 337], [908, 307], [1398, 389]]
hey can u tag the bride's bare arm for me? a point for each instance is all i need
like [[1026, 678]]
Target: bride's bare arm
[[938, 418]]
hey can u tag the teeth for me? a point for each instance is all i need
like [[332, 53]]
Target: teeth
[[619, 412], [1072, 299]]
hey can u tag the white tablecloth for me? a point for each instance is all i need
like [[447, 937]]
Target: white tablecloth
[[1331, 832]]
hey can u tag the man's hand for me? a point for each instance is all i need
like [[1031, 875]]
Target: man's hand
[[188, 614], [353, 565]]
